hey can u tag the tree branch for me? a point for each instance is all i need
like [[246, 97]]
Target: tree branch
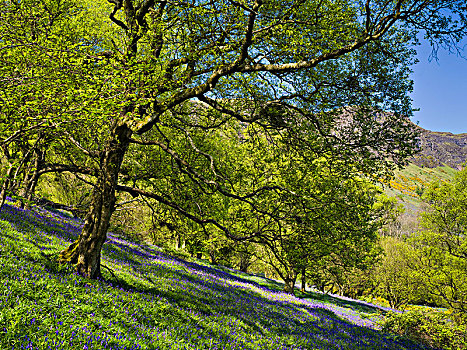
[[118, 5], [138, 192]]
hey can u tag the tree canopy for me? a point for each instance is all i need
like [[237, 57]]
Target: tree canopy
[[442, 244], [324, 78]]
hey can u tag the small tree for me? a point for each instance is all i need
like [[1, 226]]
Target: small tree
[[328, 224], [393, 277]]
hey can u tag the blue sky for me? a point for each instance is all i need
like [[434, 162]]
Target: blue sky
[[440, 91]]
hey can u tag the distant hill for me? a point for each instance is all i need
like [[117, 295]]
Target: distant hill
[[440, 149], [442, 155]]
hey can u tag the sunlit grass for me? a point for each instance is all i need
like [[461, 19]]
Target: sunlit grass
[[409, 183], [151, 300]]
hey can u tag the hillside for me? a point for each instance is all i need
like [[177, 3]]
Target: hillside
[[442, 155], [151, 300], [441, 149], [409, 183]]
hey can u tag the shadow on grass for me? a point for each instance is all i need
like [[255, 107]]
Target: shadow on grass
[[203, 302], [207, 290], [356, 305]]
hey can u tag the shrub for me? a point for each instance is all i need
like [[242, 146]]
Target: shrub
[[435, 329]]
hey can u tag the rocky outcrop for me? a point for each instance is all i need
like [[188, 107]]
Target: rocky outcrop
[[441, 148]]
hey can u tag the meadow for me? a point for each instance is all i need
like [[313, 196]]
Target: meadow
[[151, 300]]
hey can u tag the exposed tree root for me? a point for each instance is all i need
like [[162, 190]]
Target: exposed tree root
[[70, 254]]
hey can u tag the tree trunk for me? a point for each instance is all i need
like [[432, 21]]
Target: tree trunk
[[32, 187], [5, 185], [30, 183], [303, 286], [178, 240], [23, 187], [244, 262], [3, 192], [86, 250], [34, 179], [213, 257], [289, 284]]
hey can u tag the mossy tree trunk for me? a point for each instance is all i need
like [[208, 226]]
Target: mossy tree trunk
[[5, 185], [85, 252], [289, 283]]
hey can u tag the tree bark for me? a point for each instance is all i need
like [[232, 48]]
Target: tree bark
[[244, 262], [213, 257], [31, 179], [178, 238], [85, 252], [5, 185], [289, 284], [303, 286]]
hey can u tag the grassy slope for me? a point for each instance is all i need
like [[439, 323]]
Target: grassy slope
[[154, 301], [410, 181]]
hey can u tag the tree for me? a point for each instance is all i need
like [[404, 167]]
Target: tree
[[36, 39], [442, 243], [328, 76], [327, 221], [23, 156], [393, 277]]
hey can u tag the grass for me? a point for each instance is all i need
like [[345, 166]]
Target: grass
[[410, 182], [152, 300]]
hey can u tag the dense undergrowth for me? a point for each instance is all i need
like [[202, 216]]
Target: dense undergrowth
[[150, 300], [431, 327]]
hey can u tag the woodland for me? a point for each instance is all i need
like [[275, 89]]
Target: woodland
[[255, 135]]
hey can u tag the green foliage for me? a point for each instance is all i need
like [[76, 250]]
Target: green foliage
[[432, 328], [442, 244], [389, 211], [393, 277], [166, 100], [330, 229], [302, 214], [410, 182], [65, 189]]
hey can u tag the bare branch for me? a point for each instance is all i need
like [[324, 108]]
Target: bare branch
[[60, 168], [77, 144], [219, 107]]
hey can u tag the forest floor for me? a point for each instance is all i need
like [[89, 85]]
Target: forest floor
[[151, 300]]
